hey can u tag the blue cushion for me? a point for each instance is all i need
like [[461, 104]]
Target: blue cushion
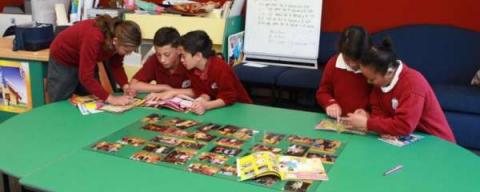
[[300, 78], [442, 54], [265, 75], [328, 46], [465, 128], [458, 98]]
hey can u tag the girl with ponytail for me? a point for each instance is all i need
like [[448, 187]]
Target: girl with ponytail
[[75, 52], [402, 101]]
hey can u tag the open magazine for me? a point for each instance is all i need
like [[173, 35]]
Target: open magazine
[[90, 104], [285, 167], [179, 103], [400, 141], [332, 125]]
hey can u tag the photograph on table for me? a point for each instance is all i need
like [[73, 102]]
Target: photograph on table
[[201, 136], [107, 147], [326, 158], [146, 156], [157, 148], [179, 156], [133, 141], [191, 144], [228, 170], [208, 127], [261, 147], [297, 186], [185, 124], [174, 132], [202, 169], [230, 142], [15, 87], [154, 127], [295, 139], [272, 138], [213, 158], [228, 130], [325, 146], [152, 118], [226, 150], [267, 180], [166, 140], [244, 134], [296, 150]]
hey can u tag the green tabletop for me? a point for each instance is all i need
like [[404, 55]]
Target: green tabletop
[[45, 148]]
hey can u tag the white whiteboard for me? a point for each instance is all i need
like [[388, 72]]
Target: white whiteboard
[[283, 29]]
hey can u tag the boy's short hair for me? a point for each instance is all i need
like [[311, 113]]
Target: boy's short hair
[[197, 41], [166, 36]]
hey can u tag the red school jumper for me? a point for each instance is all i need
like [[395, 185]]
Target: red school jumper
[[348, 89], [219, 82], [81, 46], [410, 105], [152, 70]]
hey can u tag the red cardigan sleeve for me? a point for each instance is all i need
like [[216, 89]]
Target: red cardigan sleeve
[[89, 51], [325, 90], [404, 120]]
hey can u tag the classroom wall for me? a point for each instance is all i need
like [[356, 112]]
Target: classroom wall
[[378, 15]]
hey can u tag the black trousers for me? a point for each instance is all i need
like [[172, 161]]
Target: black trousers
[[62, 81]]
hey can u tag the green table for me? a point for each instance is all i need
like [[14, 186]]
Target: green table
[[44, 148]]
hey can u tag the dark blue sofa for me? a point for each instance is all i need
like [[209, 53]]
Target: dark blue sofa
[[447, 56]]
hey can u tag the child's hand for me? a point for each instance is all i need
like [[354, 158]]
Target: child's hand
[[119, 100], [356, 121], [153, 97], [334, 111], [198, 106], [362, 112], [128, 90]]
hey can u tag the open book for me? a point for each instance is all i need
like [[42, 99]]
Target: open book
[[178, 103], [91, 104], [121, 108], [285, 167], [332, 125]]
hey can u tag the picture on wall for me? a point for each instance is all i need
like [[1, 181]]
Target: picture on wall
[[15, 89]]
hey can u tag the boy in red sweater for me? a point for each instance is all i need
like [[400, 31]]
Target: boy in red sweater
[[402, 100], [343, 88], [164, 67], [214, 83], [75, 52]]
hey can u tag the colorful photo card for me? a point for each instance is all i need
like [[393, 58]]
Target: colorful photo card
[[107, 147], [272, 138]]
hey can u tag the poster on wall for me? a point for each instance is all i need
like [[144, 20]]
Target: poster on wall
[[15, 89]]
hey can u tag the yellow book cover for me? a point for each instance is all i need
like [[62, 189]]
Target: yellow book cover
[[285, 167]]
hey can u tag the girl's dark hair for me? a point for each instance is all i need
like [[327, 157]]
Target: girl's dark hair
[[166, 36], [127, 32], [353, 42], [380, 57], [197, 41]]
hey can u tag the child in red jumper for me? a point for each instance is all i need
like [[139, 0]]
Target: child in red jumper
[[213, 82], [402, 100], [75, 52], [163, 67], [343, 88]]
